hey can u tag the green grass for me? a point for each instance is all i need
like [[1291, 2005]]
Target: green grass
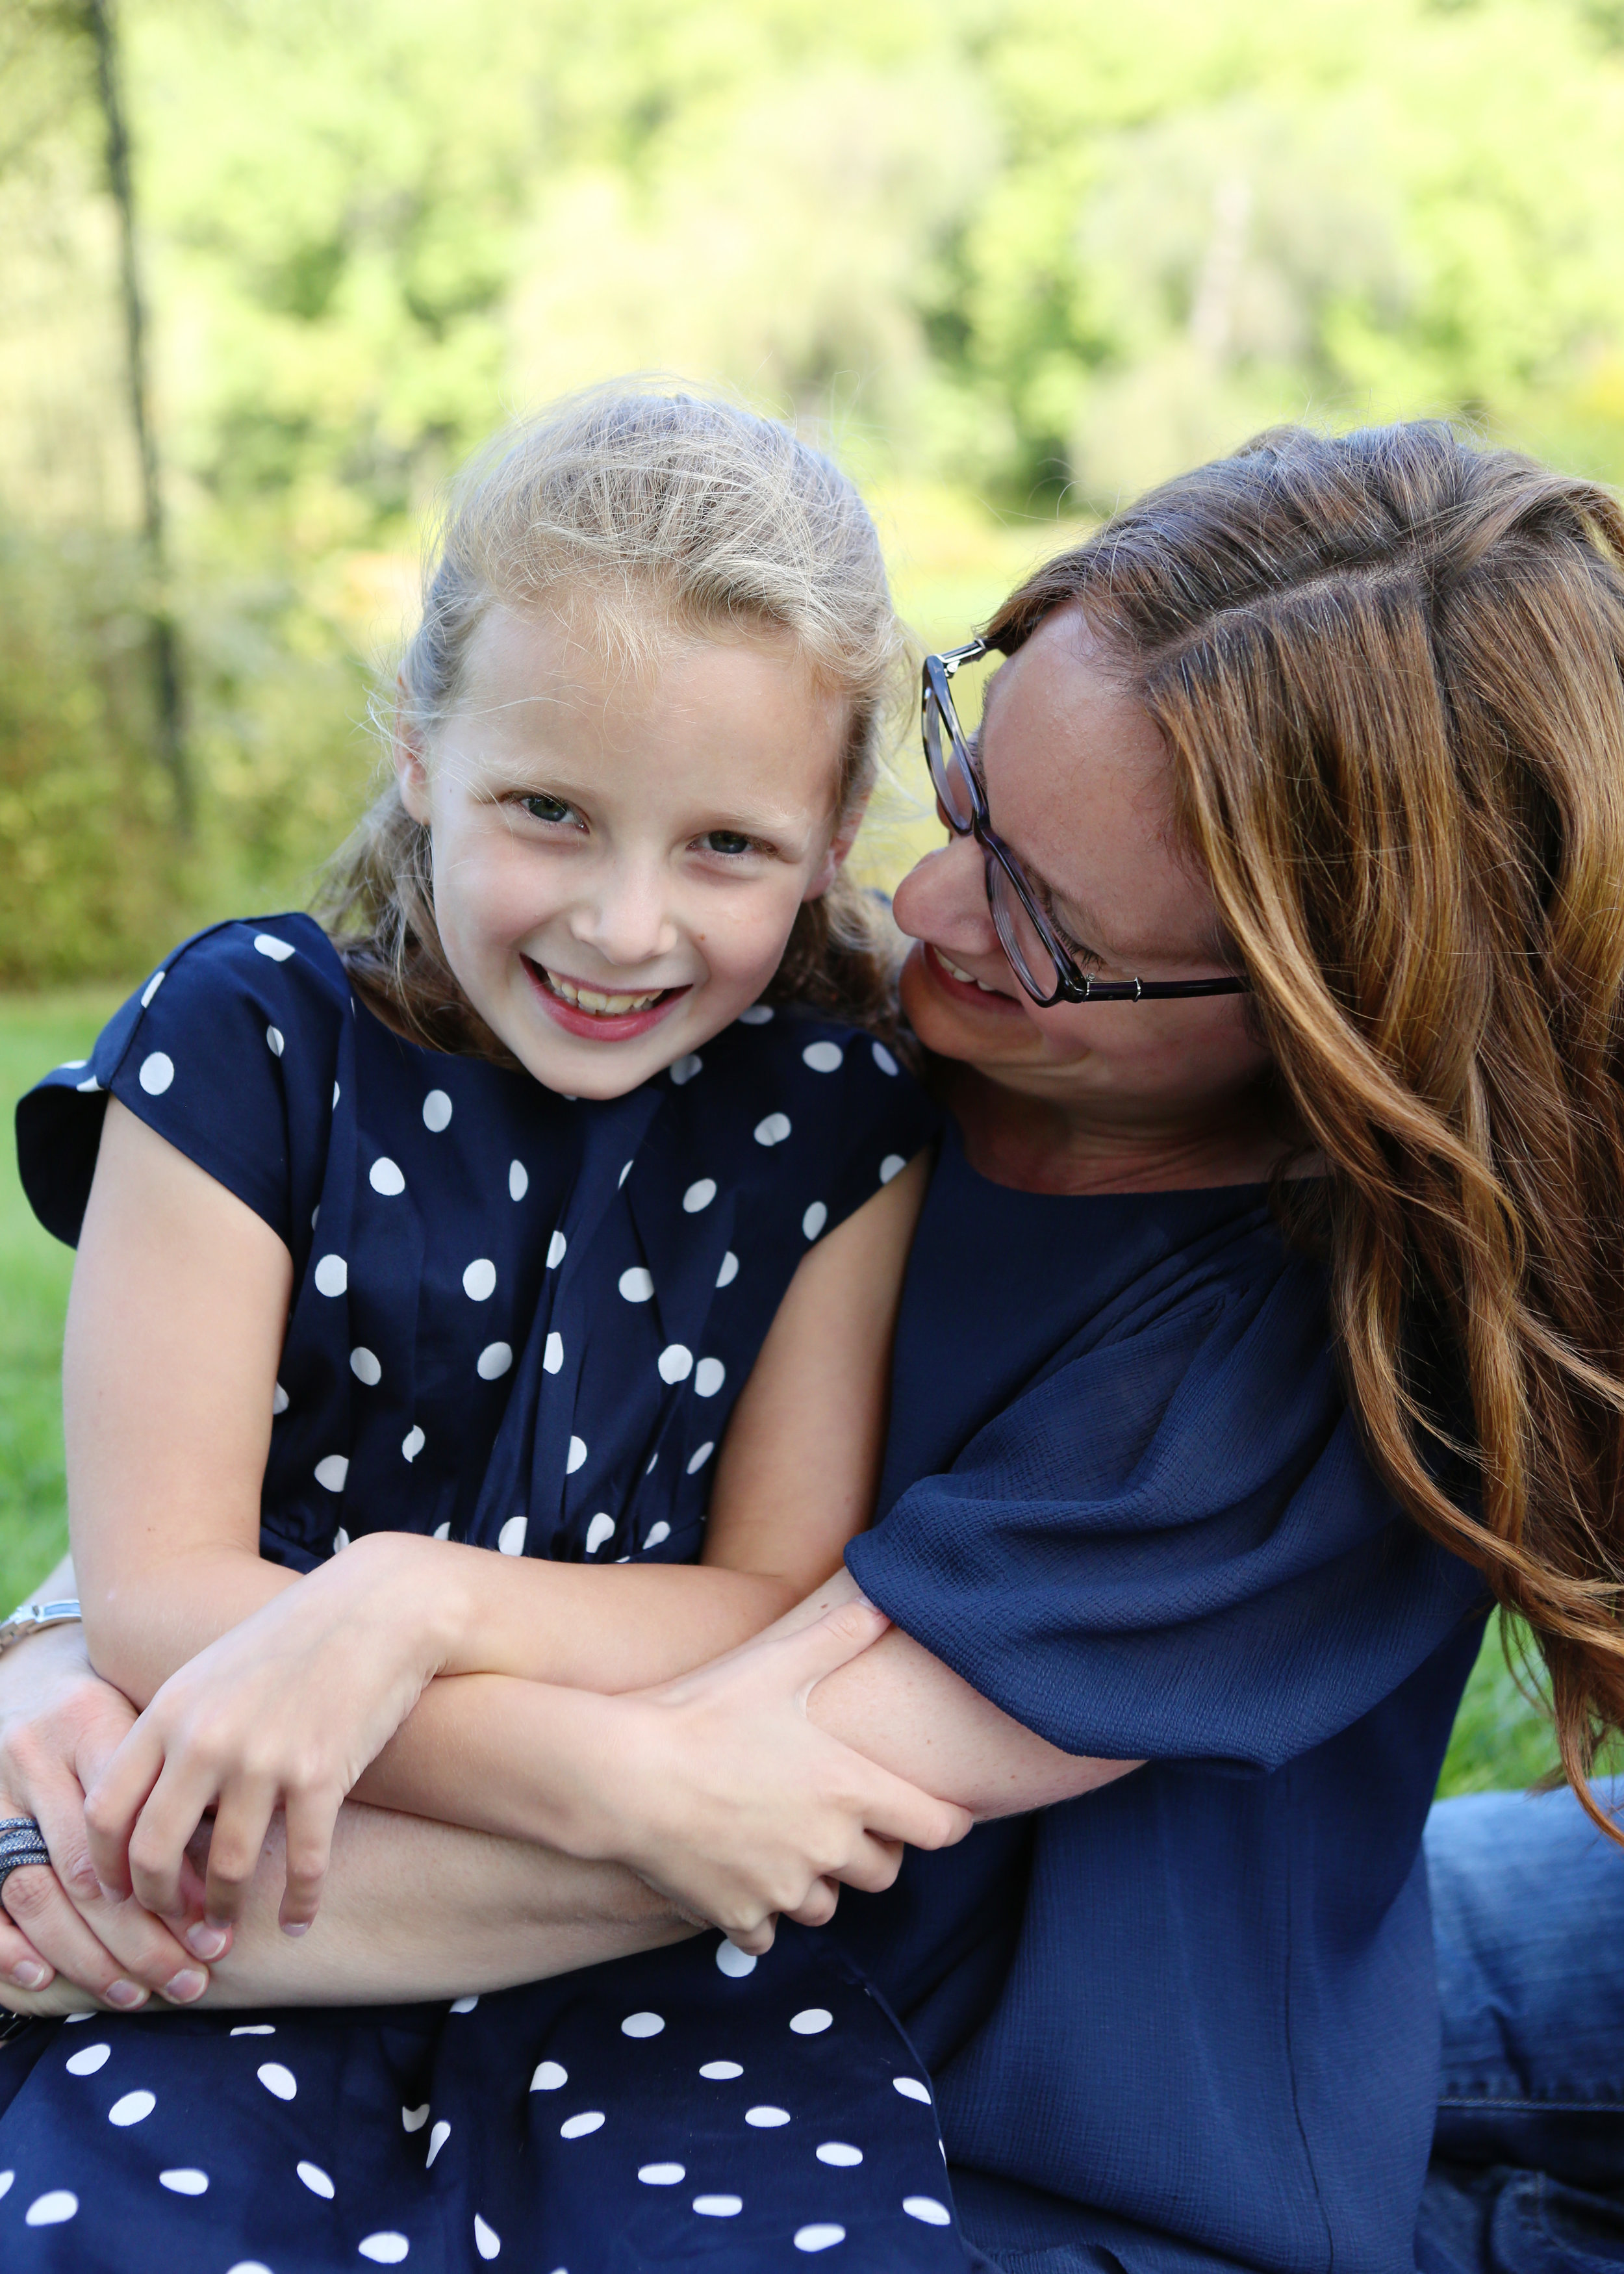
[[1500, 1741]]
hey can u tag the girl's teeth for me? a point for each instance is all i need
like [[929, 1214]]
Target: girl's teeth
[[595, 999]]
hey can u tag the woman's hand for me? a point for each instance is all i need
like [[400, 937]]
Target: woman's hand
[[284, 1712], [63, 1945], [721, 1793]]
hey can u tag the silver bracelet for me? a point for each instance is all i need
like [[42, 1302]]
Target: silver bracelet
[[29, 1618]]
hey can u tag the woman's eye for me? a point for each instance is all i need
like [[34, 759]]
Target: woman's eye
[[730, 841], [543, 808]]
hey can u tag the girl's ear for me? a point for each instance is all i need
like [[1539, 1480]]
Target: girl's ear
[[410, 772], [834, 860]]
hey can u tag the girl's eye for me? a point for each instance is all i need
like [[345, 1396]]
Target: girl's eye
[[543, 808], [728, 841]]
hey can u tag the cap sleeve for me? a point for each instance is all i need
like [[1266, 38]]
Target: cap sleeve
[[864, 1116], [1173, 1547], [229, 1050]]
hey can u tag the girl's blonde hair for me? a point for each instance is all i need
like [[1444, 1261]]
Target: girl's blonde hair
[[668, 512], [1389, 669]]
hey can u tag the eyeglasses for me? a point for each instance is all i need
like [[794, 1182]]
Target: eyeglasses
[[1040, 959]]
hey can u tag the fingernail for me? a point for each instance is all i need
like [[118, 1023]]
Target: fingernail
[[205, 1940], [30, 1974], [297, 1926], [125, 1994], [185, 1985]]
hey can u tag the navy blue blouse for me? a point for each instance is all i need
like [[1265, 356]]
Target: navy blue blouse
[[1191, 2017], [518, 1318]]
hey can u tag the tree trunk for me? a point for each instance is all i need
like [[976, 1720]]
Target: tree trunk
[[164, 644]]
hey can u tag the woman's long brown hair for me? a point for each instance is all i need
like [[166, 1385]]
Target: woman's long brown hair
[[1390, 670]]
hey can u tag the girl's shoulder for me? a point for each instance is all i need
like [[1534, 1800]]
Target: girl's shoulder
[[228, 1049], [791, 1111]]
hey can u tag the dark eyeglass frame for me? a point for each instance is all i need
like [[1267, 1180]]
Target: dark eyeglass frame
[[953, 776]]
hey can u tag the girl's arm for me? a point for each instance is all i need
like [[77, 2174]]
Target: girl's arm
[[174, 1336], [175, 1327]]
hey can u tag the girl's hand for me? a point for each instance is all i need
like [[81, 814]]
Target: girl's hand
[[284, 1712], [721, 1793], [63, 1946]]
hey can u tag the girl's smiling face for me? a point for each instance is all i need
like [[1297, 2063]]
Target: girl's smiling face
[[620, 852]]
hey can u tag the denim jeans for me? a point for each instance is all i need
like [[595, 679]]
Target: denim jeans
[[1527, 1915]]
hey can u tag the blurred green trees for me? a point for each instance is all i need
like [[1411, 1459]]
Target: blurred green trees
[[1017, 258]]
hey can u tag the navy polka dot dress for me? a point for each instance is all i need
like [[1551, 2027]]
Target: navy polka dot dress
[[519, 1321]]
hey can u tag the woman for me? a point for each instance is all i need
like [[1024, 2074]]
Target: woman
[[1180, 1516]]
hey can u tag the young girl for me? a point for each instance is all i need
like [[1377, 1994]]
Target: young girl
[[463, 1229]]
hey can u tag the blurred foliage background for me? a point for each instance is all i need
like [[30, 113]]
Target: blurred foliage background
[[1013, 258]]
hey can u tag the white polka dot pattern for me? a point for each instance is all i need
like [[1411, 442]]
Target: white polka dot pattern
[[268, 944], [837, 2153], [675, 1363], [558, 1248], [578, 1455], [643, 2025], [332, 1471], [131, 2108], [519, 1184], [549, 2077], [479, 1280], [709, 1375], [661, 2175], [413, 2119], [184, 2182], [773, 1130], [892, 1166], [684, 1069], [811, 2022], [412, 1443], [331, 1276], [911, 2089], [385, 1177], [820, 2236], [552, 1355], [576, 2127], [637, 1285], [732, 1962], [699, 1196], [365, 1367], [437, 1111], [493, 1361], [719, 2206], [884, 1059], [438, 2138], [88, 2059], [316, 2180], [599, 1532], [51, 2210], [487, 2242], [157, 1072], [277, 2080], [824, 1057], [928, 2209], [657, 1535], [721, 2072], [729, 1271], [815, 1218], [385, 2248], [510, 1539], [766, 2118], [147, 992], [697, 1459], [275, 1041]]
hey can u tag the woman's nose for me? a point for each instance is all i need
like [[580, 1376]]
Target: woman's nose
[[943, 899]]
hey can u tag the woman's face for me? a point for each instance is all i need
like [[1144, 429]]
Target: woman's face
[[1078, 782], [619, 854]]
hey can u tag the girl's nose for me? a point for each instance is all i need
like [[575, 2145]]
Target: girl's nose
[[943, 899], [624, 917]]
